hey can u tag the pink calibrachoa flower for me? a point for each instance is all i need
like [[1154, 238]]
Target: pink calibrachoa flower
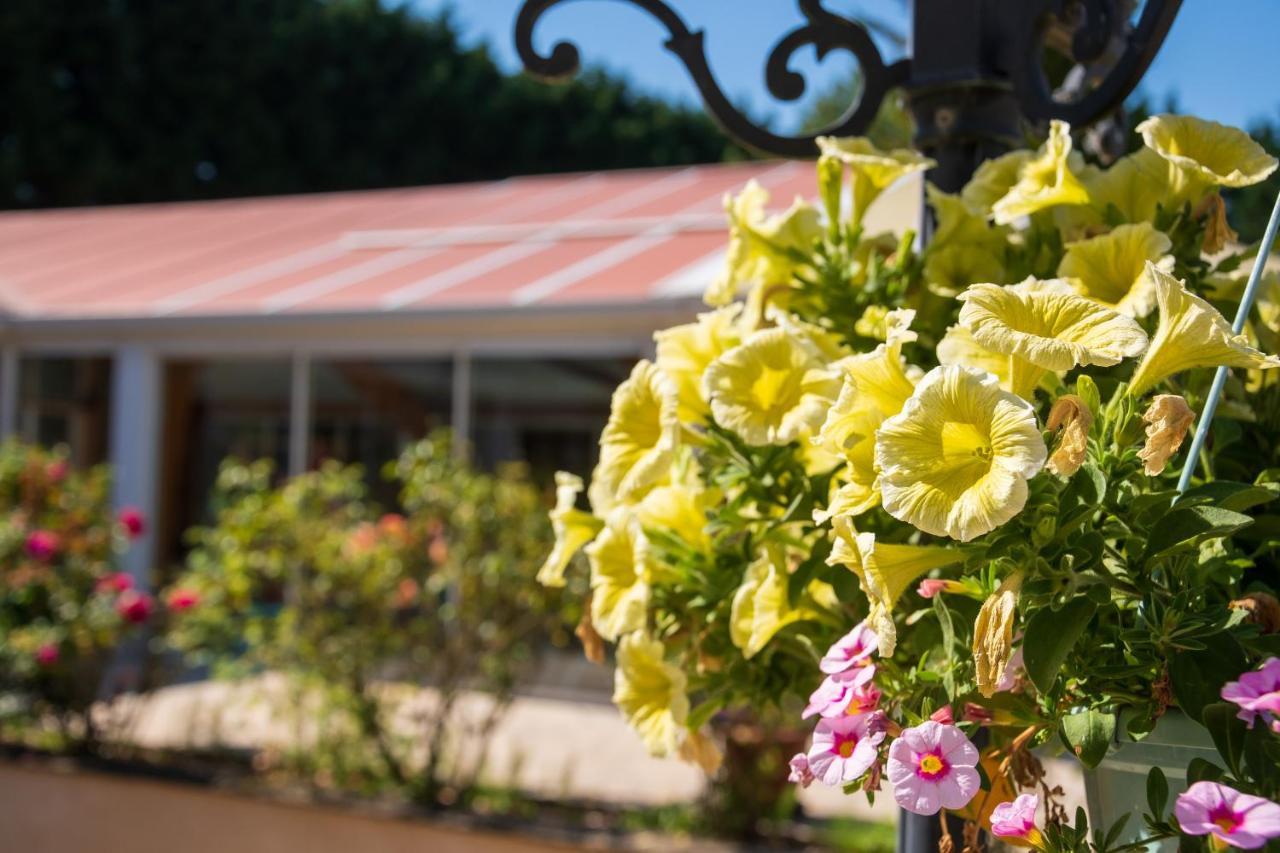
[[1012, 669], [943, 715], [1017, 820], [931, 767], [844, 748], [853, 649], [836, 692], [1258, 694], [800, 772], [1208, 808], [114, 582], [133, 522], [42, 545], [182, 599], [134, 606], [47, 654], [56, 471], [929, 587]]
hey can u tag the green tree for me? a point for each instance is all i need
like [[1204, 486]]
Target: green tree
[[148, 100]]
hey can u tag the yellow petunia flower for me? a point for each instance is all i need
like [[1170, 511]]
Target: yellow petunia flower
[[640, 439], [1045, 325], [993, 180], [884, 572], [872, 169], [959, 347], [951, 269], [1046, 180], [959, 222], [955, 461], [685, 352], [760, 608], [1208, 153], [772, 389], [1191, 334], [573, 529], [1135, 185], [679, 510], [993, 634], [763, 250], [651, 694], [619, 582], [1111, 269], [875, 385]]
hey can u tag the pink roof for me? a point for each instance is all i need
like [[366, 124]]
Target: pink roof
[[607, 237]]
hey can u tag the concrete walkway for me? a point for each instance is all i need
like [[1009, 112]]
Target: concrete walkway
[[570, 745]]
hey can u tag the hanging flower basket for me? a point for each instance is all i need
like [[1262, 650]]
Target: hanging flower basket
[[928, 499]]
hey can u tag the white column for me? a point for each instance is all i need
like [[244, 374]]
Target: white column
[[299, 413], [460, 415], [8, 391], [135, 447]]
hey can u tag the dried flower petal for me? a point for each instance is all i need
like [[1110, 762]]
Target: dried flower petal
[[1071, 415], [1168, 418]]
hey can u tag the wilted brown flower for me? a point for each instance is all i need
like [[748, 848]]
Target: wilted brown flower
[[1070, 414], [1167, 418], [701, 750], [1261, 609], [993, 634], [1217, 231], [592, 642]]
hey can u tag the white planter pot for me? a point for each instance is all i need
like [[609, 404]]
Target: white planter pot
[[1119, 785]]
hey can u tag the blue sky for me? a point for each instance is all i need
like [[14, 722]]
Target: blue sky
[[1218, 65]]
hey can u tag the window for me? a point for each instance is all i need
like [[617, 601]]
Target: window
[[367, 411], [66, 401], [214, 410], [547, 411]]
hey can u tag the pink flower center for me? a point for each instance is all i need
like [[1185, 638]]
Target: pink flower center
[[931, 766], [845, 745], [1226, 818]]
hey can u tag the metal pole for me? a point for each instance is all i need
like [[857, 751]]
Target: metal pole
[[1220, 378]]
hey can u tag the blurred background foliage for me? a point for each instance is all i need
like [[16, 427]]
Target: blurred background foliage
[[150, 100]]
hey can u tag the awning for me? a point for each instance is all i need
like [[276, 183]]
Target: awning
[[607, 237]]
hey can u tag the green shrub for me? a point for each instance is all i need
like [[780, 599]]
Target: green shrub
[[64, 607], [358, 606]]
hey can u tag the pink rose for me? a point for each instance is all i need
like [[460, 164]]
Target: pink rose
[[134, 607], [182, 599], [42, 545], [133, 522], [47, 654]]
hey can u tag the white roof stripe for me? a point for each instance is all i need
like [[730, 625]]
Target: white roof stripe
[[228, 284], [616, 254], [533, 243], [375, 266]]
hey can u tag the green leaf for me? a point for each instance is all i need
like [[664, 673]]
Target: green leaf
[[1157, 793], [948, 645], [1228, 733], [1229, 495], [702, 713], [1197, 675], [1262, 756], [1187, 527], [1089, 734], [1049, 638], [1198, 770]]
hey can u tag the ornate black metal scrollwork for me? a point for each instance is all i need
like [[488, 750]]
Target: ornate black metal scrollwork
[[824, 30], [1104, 32], [977, 74]]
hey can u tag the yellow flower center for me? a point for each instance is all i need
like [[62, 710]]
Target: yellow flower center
[[774, 390], [845, 749], [931, 765], [964, 442]]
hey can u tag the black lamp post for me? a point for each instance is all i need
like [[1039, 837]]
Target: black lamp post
[[976, 76]]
